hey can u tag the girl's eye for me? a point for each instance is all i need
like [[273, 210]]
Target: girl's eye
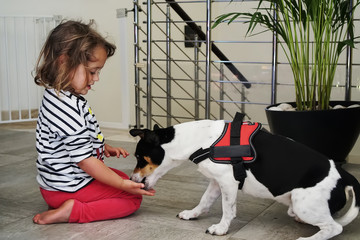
[[95, 72]]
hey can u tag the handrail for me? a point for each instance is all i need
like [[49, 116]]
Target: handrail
[[201, 35]]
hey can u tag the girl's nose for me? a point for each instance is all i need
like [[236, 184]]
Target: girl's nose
[[96, 76]]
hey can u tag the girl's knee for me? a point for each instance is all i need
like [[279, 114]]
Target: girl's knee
[[137, 199]]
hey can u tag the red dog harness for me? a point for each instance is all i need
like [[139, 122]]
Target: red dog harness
[[235, 143], [234, 146], [222, 151]]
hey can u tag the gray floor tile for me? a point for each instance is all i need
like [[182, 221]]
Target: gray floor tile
[[178, 190]]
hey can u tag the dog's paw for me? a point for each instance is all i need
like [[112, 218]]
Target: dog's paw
[[217, 229], [188, 215]]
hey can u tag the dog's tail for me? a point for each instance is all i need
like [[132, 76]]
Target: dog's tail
[[353, 186], [353, 211]]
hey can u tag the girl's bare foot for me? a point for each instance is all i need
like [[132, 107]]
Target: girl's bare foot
[[58, 215]]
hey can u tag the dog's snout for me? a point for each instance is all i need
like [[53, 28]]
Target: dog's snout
[[137, 178]]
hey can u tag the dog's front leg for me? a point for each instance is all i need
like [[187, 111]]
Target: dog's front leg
[[229, 189], [211, 194]]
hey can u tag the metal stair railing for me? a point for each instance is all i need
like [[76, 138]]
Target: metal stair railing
[[152, 80], [201, 83], [224, 60]]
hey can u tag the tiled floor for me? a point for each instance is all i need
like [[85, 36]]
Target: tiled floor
[[181, 188]]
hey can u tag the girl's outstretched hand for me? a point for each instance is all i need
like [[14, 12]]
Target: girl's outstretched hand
[[115, 151], [98, 170], [136, 188]]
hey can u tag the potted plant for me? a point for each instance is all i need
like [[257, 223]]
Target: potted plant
[[312, 34]]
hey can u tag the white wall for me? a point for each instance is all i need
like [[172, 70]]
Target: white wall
[[112, 108], [106, 99]]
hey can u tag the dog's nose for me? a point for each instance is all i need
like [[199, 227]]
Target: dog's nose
[[143, 181]]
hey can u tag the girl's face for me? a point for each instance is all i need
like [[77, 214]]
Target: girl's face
[[85, 77]]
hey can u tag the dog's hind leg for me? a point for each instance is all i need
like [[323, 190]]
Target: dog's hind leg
[[327, 231], [209, 197], [313, 209]]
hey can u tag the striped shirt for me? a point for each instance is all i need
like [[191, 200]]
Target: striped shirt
[[67, 132]]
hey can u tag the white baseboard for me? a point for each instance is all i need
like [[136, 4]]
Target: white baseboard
[[114, 125]]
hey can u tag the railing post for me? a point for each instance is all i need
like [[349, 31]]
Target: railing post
[[208, 59], [222, 77], [136, 58], [274, 65], [348, 77], [168, 66], [196, 75], [148, 66]]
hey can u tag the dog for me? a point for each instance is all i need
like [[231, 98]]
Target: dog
[[310, 184]]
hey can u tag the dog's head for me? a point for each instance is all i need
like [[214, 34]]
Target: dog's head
[[150, 154]]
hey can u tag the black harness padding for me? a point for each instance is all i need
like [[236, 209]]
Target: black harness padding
[[233, 154], [233, 151]]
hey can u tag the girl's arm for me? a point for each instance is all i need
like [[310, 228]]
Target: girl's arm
[[98, 170]]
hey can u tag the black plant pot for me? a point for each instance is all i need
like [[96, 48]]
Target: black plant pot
[[331, 132]]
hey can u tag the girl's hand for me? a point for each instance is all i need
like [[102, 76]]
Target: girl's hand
[[98, 170], [136, 188], [112, 151]]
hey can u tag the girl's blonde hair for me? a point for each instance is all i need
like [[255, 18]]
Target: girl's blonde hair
[[68, 45]]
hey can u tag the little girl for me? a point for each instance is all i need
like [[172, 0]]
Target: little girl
[[74, 181]]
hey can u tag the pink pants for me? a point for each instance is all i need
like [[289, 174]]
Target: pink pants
[[96, 201]]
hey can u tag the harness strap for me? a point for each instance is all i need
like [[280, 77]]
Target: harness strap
[[236, 161], [236, 129], [235, 139], [200, 155], [233, 151]]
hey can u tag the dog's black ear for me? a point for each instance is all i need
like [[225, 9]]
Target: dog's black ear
[[147, 135], [137, 132], [152, 138], [156, 127]]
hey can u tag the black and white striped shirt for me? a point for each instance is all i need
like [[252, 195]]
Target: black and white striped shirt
[[67, 132]]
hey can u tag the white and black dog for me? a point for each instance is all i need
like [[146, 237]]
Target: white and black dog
[[312, 186]]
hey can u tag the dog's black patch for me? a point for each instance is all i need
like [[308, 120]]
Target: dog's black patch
[[338, 198], [150, 144], [156, 137], [283, 165], [154, 152]]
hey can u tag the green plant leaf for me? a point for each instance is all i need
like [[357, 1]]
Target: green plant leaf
[[312, 33]]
